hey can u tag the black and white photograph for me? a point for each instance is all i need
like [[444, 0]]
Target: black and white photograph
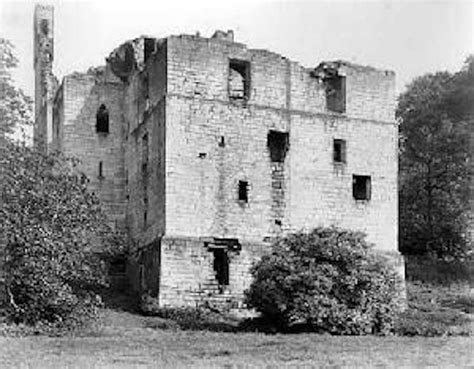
[[251, 184]]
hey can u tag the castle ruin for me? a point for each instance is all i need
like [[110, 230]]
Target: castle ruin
[[204, 151]]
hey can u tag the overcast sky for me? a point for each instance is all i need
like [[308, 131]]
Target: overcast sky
[[411, 38]]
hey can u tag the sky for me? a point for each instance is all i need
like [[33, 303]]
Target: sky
[[411, 38]]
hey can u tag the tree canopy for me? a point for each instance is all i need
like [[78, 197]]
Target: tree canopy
[[55, 234], [15, 105], [436, 121]]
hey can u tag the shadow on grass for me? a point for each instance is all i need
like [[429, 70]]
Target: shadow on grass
[[433, 311], [120, 300]]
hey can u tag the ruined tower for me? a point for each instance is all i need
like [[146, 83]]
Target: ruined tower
[[203, 151], [44, 80]]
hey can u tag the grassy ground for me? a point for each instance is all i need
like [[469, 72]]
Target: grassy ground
[[126, 343], [128, 340]]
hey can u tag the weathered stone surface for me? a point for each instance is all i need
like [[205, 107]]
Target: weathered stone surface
[[181, 140]]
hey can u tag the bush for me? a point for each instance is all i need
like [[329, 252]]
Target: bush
[[326, 280]]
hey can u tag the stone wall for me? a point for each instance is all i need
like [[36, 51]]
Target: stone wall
[[321, 190], [82, 96], [213, 142], [202, 174], [144, 111], [188, 278], [187, 160], [45, 83]]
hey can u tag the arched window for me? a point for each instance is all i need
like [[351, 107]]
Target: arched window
[[102, 120], [239, 79]]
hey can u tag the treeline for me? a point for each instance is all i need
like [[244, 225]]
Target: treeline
[[436, 115]]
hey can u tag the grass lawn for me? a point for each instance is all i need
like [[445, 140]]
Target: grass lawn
[[129, 340], [126, 342]]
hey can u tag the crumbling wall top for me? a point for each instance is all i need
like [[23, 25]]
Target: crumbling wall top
[[224, 36], [340, 67], [131, 55]]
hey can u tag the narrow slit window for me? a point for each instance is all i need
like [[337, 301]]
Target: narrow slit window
[[239, 79], [361, 187], [339, 151], [102, 120], [278, 143], [336, 93], [243, 191], [221, 266], [145, 155], [145, 148], [101, 169], [146, 90]]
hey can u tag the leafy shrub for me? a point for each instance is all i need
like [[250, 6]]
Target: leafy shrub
[[325, 280], [53, 231]]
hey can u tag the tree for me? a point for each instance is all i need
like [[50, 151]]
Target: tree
[[325, 280], [435, 116], [54, 232], [15, 105]]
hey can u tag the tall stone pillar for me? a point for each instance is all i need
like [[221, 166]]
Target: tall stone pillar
[[45, 84]]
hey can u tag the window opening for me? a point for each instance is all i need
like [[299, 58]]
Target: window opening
[[278, 143], [141, 277], [336, 93], [149, 48], [101, 172], [222, 141], [239, 79], [57, 129], [102, 120], [243, 191], [339, 149], [145, 148], [146, 88], [361, 187], [145, 155]]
